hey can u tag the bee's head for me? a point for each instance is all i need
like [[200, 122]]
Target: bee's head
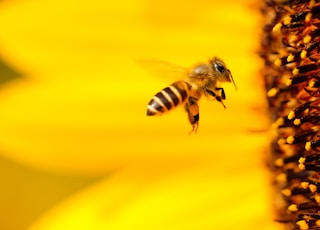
[[223, 74]]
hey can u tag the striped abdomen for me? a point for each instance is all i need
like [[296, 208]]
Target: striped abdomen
[[168, 98]]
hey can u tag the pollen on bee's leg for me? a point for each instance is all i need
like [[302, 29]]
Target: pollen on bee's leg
[[290, 50]]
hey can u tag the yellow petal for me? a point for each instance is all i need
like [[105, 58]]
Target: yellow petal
[[195, 198], [83, 107]]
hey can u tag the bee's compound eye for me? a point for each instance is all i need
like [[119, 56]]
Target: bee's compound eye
[[220, 67]]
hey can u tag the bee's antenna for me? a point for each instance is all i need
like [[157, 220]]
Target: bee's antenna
[[232, 80]]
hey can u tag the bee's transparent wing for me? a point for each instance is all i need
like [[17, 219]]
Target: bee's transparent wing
[[163, 70]]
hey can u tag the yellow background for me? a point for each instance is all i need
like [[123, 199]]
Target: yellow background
[[77, 150]]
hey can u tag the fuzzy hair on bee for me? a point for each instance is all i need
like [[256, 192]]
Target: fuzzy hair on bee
[[202, 79]]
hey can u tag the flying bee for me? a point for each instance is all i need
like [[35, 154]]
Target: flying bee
[[205, 78]]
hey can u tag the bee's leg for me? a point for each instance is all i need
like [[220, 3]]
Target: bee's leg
[[192, 108], [217, 97], [223, 94]]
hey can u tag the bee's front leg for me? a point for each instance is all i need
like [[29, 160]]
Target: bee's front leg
[[218, 97], [192, 108], [223, 94]]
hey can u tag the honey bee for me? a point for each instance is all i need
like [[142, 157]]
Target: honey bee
[[203, 79]]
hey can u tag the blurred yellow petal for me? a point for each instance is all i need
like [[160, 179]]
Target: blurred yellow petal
[[196, 198], [26, 193], [82, 108], [85, 101]]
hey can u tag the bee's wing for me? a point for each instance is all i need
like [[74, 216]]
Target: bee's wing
[[163, 70]]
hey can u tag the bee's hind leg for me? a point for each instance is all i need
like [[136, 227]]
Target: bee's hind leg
[[194, 128], [192, 108]]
